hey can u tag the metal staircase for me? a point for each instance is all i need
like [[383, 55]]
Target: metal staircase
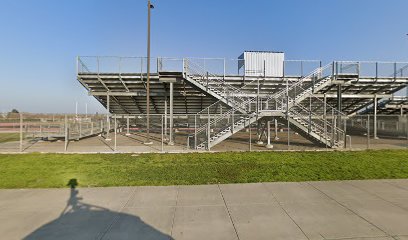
[[287, 104], [213, 85]]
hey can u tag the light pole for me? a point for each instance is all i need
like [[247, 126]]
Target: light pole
[[149, 6]]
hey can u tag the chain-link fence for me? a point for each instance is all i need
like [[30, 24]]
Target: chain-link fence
[[190, 132], [23, 131]]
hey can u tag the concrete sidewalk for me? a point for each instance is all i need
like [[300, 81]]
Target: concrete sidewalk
[[309, 210]]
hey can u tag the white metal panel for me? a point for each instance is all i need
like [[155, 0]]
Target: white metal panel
[[259, 63]]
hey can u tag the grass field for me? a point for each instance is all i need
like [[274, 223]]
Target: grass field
[[9, 137], [55, 170]]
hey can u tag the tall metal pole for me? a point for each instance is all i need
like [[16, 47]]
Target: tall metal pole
[[149, 6]]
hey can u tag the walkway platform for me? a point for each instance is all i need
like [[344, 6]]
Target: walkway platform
[[375, 209]]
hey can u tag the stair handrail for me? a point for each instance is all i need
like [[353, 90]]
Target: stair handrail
[[204, 110], [223, 115], [203, 73], [299, 82]]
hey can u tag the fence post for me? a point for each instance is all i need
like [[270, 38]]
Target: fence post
[[325, 119], [333, 128], [21, 132], [368, 131], [250, 134], [208, 129], [80, 128], [115, 132], [162, 133], [276, 129], [345, 132], [195, 132], [66, 133]]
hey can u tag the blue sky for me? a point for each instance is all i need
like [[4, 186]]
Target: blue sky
[[40, 38]]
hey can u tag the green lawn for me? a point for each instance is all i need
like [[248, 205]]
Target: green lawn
[[55, 170], [9, 137]]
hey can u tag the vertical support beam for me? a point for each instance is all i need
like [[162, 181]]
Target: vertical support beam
[[276, 129], [325, 120], [66, 134], [165, 113], [333, 127], [195, 132], [339, 108], [309, 128], [80, 129], [162, 133], [21, 132], [149, 6], [250, 134], [115, 130], [287, 112], [339, 102], [368, 131], [345, 133], [171, 140], [375, 116], [269, 145], [208, 129], [127, 126], [107, 117]]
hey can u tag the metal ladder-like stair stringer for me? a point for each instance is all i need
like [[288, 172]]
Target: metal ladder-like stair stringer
[[228, 131], [315, 132]]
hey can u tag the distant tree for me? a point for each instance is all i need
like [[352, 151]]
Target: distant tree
[[14, 111]]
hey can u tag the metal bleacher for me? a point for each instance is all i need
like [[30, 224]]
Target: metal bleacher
[[313, 98]]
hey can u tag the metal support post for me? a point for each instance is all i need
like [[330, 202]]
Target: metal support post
[[66, 134], [333, 128], [195, 132], [339, 102], [115, 130], [269, 145], [148, 142], [162, 133], [368, 131], [309, 129], [345, 133], [127, 126], [287, 111], [171, 140], [276, 129], [250, 135], [80, 129], [21, 132], [208, 129], [107, 117], [375, 116], [325, 119], [165, 113]]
